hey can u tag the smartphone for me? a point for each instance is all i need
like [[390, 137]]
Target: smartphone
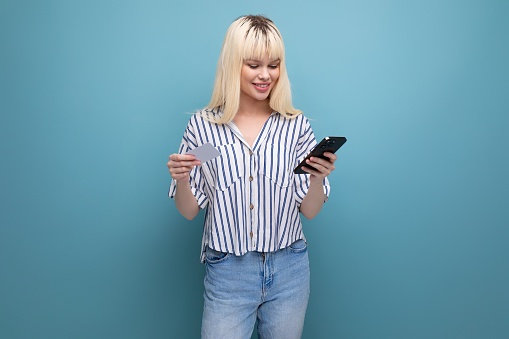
[[328, 144]]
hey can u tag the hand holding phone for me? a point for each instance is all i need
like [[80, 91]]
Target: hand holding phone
[[328, 144]]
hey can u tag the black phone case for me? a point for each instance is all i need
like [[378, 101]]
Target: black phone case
[[328, 144]]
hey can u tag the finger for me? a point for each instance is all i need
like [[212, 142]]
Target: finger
[[321, 166], [319, 163], [180, 173], [332, 157], [313, 172], [182, 157], [190, 164], [308, 169], [179, 170]]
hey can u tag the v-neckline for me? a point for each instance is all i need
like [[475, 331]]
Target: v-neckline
[[262, 134]]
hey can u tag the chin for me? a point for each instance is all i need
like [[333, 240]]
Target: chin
[[261, 97]]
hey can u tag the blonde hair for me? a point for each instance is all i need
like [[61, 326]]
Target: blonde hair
[[249, 37]]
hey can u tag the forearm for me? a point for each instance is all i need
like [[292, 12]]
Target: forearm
[[185, 201], [314, 199]]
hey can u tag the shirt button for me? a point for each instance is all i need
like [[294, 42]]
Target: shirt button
[[251, 178], [250, 234], [251, 206], [250, 152]]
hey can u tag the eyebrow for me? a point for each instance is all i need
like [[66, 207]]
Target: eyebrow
[[270, 62]]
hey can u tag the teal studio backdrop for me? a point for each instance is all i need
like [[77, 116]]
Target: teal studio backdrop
[[95, 95]]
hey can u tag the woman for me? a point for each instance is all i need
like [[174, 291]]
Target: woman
[[253, 247]]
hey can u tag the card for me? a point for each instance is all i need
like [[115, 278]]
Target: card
[[205, 152]]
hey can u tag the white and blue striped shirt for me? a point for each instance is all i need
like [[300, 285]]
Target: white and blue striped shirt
[[251, 195]]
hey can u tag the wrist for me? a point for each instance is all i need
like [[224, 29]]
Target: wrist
[[316, 180]]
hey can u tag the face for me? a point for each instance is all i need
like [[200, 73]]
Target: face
[[258, 78]]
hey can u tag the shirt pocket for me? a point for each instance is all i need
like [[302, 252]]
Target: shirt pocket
[[229, 166], [277, 165]]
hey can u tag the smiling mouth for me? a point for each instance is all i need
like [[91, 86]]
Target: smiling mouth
[[261, 85]]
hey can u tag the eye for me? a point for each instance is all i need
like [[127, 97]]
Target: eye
[[253, 66], [273, 66]]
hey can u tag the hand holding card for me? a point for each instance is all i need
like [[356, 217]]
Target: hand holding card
[[205, 152]]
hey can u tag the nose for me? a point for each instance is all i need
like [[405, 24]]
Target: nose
[[264, 73]]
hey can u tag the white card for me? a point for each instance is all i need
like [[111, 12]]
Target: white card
[[205, 152]]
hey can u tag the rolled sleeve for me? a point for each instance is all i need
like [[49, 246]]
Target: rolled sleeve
[[307, 142], [200, 196], [196, 180]]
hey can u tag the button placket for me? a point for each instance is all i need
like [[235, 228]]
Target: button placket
[[251, 197]]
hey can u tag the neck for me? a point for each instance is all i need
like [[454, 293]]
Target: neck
[[250, 106]]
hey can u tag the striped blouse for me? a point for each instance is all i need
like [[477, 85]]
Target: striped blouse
[[251, 195]]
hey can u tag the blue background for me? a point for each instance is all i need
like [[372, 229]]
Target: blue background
[[95, 95]]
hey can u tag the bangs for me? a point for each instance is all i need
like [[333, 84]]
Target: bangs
[[263, 42]]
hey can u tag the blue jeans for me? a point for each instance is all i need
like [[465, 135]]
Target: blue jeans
[[271, 287]]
